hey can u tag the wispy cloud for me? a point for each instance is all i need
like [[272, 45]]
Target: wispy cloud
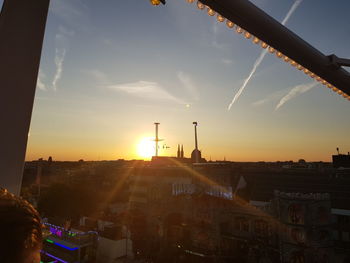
[[61, 40], [40, 82], [59, 59], [147, 90], [188, 84], [261, 57], [275, 96], [214, 42], [296, 91], [99, 76], [226, 61], [74, 14]]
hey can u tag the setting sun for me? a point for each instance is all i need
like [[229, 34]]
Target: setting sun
[[146, 148]]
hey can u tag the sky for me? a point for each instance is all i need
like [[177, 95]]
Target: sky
[[110, 69]]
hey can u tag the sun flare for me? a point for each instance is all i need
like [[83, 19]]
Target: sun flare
[[146, 148]]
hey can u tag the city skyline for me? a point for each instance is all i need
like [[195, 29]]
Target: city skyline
[[109, 71]]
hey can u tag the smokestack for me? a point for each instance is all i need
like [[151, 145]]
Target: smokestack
[[196, 140]]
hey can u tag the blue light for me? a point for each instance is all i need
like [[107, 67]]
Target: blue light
[[52, 256], [61, 245]]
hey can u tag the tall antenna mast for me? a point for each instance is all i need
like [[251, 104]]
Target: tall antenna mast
[[157, 138], [196, 140]]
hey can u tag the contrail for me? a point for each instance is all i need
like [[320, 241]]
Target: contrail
[[297, 90], [262, 55], [291, 11], [59, 58]]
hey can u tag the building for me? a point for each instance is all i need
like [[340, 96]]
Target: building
[[341, 160], [69, 246]]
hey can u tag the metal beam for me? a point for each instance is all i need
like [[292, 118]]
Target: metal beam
[[258, 23], [22, 27]]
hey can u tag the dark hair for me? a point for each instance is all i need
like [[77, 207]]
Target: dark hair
[[20, 228]]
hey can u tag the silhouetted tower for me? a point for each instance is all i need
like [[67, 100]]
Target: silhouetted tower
[[182, 151], [157, 138], [178, 151], [196, 154]]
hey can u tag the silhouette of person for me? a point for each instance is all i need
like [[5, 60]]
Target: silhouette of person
[[21, 230]]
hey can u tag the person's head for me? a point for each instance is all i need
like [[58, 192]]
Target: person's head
[[21, 230]]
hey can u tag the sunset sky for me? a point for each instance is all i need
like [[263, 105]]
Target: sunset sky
[[110, 69]]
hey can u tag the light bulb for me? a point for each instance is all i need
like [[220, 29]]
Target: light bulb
[[279, 54], [155, 2], [200, 5], [230, 24], [306, 71], [334, 89], [293, 63], [319, 79], [220, 18], [239, 30], [329, 85], [256, 40], [286, 59], [190, 1], [340, 92], [300, 67], [247, 35], [271, 50], [324, 82], [264, 45], [345, 95], [312, 75], [211, 12]]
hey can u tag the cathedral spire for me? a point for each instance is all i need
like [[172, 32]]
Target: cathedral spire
[[182, 151], [178, 151]]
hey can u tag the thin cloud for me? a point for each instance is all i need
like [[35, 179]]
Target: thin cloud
[[40, 82], [214, 41], [296, 91], [261, 57], [226, 61], [275, 96], [59, 59], [99, 76], [147, 90], [62, 43], [188, 83], [74, 14]]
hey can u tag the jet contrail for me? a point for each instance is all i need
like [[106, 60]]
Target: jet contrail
[[262, 55], [297, 90], [291, 11]]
